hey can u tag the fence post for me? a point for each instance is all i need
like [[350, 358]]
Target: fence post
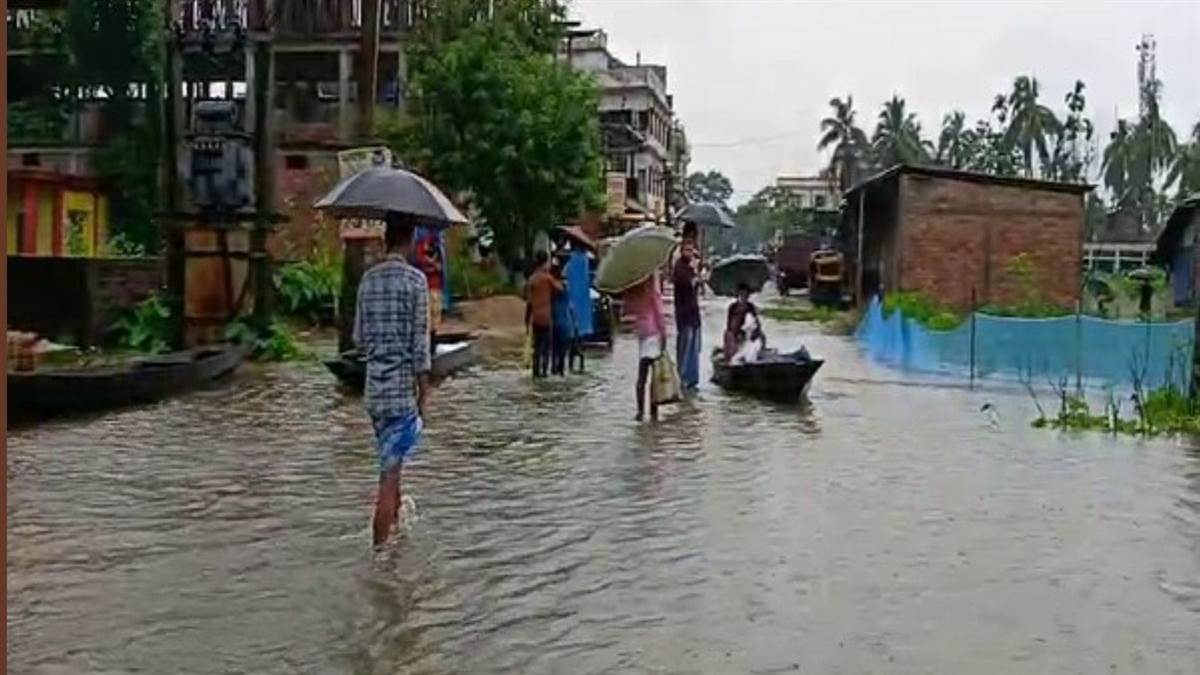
[[972, 337], [1078, 347]]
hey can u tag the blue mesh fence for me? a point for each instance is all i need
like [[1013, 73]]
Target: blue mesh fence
[[1096, 351]]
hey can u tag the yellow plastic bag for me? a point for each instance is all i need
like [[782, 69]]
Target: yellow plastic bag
[[527, 353], [665, 387]]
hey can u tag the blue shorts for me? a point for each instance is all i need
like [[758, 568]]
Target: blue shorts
[[396, 437]]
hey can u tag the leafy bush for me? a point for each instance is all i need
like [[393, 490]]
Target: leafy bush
[[929, 313], [37, 121], [272, 341], [471, 280], [309, 288], [147, 327], [1035, 309], [121, 246]]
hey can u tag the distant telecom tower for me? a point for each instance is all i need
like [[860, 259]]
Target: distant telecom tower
[[1147, 75]]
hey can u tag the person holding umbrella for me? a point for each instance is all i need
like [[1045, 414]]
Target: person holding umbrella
[[391, 318], [391, 328], [645, 303]]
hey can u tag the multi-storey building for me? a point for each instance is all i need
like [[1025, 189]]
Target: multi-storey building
[[636, 122]]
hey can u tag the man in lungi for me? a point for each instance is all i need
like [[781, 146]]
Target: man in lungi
[[391, 329]]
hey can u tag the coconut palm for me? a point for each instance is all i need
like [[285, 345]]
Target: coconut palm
[[1119, 162], [1030, 124], [1185, 169], [1073, 148], [897, 138], [849, 143], [954, 142]]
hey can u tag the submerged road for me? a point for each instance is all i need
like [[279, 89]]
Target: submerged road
[[884, 528]]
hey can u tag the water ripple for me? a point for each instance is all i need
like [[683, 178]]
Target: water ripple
[[884, 527]]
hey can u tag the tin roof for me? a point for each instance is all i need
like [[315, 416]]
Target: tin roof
[[970, 176], [1168, 239]]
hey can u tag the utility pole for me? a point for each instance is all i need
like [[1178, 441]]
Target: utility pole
[[173, 230], [368, 69], [262, 91]]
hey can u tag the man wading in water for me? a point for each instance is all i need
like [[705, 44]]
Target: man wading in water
[[391, 328]]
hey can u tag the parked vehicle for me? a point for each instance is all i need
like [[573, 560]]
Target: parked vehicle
[[827, 271], [792, 262]]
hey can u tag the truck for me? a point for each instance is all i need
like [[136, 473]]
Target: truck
[[792, 262]]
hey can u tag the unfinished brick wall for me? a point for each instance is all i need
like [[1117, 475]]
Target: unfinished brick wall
[[957, 235], [77, 300], [307, 230]]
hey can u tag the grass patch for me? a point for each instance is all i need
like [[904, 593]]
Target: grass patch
[[1165, 410], [925, 311], [832, 321], [814, 314]]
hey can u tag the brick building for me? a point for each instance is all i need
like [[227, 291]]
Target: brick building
[[944, 233]]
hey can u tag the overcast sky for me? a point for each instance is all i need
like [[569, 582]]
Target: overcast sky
[[752, 78]]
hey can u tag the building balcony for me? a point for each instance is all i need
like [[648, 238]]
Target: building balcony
[[296, 19]]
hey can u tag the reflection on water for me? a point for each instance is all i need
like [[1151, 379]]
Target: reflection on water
[[884, 528]]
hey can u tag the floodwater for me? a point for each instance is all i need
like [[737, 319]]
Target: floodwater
[[889, 527]]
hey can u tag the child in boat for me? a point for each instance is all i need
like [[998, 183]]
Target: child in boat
[[752, 344], [735, 323]]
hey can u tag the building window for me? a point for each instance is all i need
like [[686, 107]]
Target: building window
[[819, 201]]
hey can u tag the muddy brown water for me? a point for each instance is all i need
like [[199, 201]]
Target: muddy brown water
[[886, 527]]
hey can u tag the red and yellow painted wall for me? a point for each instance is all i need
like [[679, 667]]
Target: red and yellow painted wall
[[50, 213]]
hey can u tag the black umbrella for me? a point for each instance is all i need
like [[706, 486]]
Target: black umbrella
[[375, 192], [734, 271], [707, 214]]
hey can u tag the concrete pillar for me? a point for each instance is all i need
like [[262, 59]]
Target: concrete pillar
[[249, 111], [345, 68]]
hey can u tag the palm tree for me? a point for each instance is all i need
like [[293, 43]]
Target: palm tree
[[1118, 162], [954, 142], [1185, 168], [1073, 149], [849, 143], [1030, 124], [897, 138]]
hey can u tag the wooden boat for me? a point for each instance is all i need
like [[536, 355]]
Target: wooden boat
[[452, 356], [778, 377], [60, 391]]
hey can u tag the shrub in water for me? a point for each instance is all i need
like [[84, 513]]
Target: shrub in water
[[146, 327]]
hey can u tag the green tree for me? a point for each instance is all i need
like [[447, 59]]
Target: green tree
[[115, 46], [1119, 162], [954, 146], [709, 186], [1139, 161], [506, 124], [1185, 167], [1030, 125], [897, 137], [1074, 149], [851, 150]]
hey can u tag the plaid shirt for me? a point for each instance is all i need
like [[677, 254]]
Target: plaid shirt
[[391, 328]]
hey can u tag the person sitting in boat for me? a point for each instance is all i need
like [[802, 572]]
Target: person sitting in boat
[[752, 345], [735, 323]]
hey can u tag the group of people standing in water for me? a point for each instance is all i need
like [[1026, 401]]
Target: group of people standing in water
[[554, 318], [743, 334]]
